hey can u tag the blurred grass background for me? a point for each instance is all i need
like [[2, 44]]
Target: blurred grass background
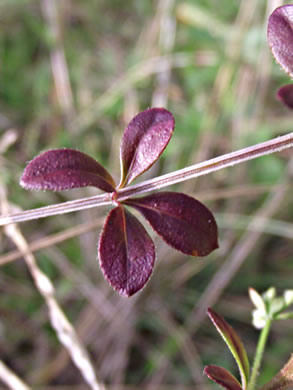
[[73, 74]]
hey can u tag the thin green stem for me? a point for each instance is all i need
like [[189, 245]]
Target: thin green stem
[[227, 160], [259, 354]]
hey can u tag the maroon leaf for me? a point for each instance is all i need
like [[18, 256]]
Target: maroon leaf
[[126, 252], [63, 169], [143, 141], [285, 95], [223, 377], [234, 343], [280, 36], [183, 222]]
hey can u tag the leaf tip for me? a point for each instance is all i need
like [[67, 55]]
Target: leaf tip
[[194, 253], [214, 317], [210, 312], [26, 181], [206, 371], [22, 182], [285, 95]]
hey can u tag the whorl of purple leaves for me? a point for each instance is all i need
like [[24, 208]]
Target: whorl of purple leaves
[[126, 251], [280, 40]]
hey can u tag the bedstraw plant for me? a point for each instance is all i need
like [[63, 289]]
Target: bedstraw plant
[[126, 251]]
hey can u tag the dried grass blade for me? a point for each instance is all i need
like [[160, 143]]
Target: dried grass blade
[[11, 379], [64, 330]]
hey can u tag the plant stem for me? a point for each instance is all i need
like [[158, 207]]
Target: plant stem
[[215, 164], [209, 166], [259, 354], [59, 208]]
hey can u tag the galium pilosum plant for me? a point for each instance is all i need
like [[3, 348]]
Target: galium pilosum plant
[[126, 251], [268, 308]]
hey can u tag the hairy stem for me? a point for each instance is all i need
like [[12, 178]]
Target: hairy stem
[[215, 164], [55, 209], [209, 166]]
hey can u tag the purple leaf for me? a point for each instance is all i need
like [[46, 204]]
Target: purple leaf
[[63, 169], [280, 36], [143, 141], [285, 95], [126, 252], [183, 222], [234, 343], [223, 377]]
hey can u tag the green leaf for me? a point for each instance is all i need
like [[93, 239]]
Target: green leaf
[[234, 343], [277, 306], [284, 316], [270, 294], [288, 297], [256, 299]]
